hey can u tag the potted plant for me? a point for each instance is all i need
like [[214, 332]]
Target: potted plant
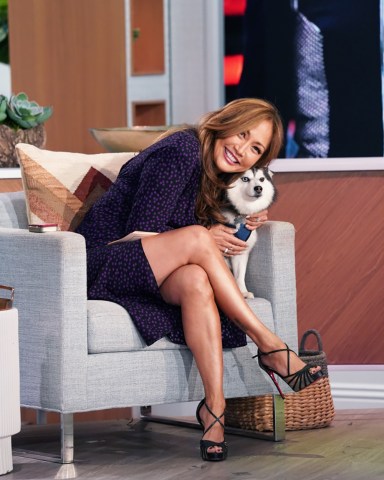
[[21, 120]]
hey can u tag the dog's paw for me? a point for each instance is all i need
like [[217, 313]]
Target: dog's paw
[[248, 295]]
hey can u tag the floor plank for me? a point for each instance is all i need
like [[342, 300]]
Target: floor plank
[[350, 449]]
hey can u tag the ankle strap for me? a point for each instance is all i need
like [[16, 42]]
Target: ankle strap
[[287, 349], [217, 419], [262, 354]]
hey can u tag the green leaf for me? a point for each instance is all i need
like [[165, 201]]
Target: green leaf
[[45, 115], [21, 96]]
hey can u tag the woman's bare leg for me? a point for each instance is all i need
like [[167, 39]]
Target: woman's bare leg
[[189, 287], [194, 245]]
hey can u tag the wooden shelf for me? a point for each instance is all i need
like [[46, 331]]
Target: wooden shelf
[[150, 113]]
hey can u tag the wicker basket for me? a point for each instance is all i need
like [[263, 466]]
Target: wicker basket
[[310, 408]]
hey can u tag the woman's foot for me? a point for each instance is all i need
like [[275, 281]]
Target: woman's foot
[[212, 444], [286, 364], [279, 361]]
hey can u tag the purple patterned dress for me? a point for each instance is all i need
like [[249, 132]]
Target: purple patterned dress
[[155, 191]]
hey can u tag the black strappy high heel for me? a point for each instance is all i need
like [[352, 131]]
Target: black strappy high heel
[[298, 380], [206, 444]]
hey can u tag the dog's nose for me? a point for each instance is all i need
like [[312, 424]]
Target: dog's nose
[[258, 189]]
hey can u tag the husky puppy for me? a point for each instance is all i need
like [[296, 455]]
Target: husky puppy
[[253, 192]]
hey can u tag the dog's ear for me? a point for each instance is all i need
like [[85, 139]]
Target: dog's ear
[[268, 172]]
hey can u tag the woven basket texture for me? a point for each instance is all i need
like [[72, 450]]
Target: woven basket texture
[[310, 408]]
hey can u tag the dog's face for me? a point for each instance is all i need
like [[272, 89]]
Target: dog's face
[[253, 192]]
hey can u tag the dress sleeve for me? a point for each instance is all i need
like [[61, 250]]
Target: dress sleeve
[[164, 177]]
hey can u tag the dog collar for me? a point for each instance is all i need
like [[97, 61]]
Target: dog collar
[[230, 225]]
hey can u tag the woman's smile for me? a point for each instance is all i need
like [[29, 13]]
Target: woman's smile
[[230, 157]]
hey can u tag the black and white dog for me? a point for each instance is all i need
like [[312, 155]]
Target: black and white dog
[[253, 192]]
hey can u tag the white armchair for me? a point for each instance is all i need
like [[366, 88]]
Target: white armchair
[[78, 355]]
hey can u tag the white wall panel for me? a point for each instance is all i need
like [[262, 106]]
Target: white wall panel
[[196, 39]]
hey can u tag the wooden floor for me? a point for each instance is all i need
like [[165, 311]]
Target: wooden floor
[[352, 448]]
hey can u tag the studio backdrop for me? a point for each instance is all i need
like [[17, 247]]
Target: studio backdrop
[[320, 62]]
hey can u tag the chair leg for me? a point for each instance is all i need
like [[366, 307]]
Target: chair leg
[[67, 445], [278, 418], [66, 442]]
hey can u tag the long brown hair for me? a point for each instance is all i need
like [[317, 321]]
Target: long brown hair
[[237, 116]]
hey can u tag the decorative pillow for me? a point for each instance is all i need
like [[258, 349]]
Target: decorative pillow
[[60, 187]]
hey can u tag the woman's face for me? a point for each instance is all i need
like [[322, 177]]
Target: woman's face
[[240, 152]]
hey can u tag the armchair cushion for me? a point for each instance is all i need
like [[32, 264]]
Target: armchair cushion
[[110, 328], [60, 187]]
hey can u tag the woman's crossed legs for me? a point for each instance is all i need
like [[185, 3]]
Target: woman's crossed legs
[[191, 272]]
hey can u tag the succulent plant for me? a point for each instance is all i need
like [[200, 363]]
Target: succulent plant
[[25, 113]]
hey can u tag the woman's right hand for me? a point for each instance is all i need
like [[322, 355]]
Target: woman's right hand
[[227, 243]]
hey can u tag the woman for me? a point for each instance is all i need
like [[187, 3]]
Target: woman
[[177, 284]]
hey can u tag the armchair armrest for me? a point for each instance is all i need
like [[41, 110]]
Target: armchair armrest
[[48, 272], [271, 274]]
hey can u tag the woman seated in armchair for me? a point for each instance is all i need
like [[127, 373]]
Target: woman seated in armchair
[[177, 284]]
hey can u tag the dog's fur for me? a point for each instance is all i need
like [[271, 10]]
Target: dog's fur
[[253, 192]]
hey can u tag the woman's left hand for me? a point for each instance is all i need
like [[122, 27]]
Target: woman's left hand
[[255, 220]]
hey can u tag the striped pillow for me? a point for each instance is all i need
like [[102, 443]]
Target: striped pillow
[[60, 187]]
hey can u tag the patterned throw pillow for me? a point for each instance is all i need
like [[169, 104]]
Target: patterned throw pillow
[[60, 187]]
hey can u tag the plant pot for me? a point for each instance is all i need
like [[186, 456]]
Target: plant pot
[[9, 138]]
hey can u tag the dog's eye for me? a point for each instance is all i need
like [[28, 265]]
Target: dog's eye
[[261, 179], [245, 179]]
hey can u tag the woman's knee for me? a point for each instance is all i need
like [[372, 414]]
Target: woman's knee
[[200, 239], [196, 283]]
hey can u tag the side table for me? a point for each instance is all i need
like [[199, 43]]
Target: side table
[[9, 386]]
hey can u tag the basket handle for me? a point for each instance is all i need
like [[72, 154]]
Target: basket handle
[[306, 335]]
